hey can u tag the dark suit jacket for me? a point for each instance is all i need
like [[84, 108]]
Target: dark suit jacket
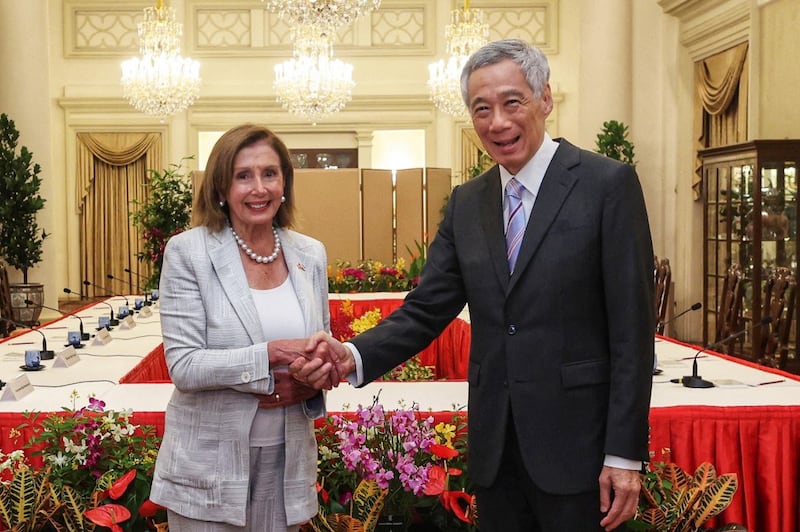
[[563, 348]]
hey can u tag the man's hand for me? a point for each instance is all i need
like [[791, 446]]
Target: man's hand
[[625, 485], [315, 371], [287, 391], [285, 352]]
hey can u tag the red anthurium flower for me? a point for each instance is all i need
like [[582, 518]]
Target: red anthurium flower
[[458, 503], [437, 480], [443, 451], [149, 508], [108, 515], [453, 471], [118, 488]]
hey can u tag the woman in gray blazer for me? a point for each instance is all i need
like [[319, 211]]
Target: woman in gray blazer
[[239, 451]]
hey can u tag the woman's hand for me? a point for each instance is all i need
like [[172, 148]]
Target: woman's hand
[[287, 391]]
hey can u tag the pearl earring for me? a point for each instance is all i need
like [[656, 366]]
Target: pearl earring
[[221, 203], [283, 199]]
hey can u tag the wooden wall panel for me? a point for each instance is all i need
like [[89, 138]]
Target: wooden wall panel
[[437, 191], [329, 209], [376, 197], [410, 210]]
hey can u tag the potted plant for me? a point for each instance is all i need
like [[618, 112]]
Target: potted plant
[[20, 236], [612, 141], [165, 212]]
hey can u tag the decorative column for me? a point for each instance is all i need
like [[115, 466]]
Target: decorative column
[[604, 87], [25, 96]]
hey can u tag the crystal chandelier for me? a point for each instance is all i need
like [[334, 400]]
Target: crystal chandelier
[[464, 35], [161, 82], [313, 84], [331, 14]]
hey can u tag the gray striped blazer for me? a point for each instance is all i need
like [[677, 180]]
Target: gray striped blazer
[[217, 357]]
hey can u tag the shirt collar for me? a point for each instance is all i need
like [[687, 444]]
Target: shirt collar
[[532, 174]]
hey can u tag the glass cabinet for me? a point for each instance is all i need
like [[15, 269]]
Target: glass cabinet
[[750, 194]]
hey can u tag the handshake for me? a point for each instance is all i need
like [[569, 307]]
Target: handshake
[[320, 362]]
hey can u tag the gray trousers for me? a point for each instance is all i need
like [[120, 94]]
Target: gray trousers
[[265, 509]]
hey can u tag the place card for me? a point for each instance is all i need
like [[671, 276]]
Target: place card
[[66, 358], [145, 312], [102, 337], [17, 388], [127, 323]]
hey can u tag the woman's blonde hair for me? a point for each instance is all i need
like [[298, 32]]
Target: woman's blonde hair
[[214, 188]]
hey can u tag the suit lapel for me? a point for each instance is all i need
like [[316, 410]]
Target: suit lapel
[[557, 183], [492, 223], [300, 265], [224, 255]]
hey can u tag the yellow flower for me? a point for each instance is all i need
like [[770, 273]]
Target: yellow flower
[[369, 320], [445, 433]]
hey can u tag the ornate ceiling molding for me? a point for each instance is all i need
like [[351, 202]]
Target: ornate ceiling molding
[[710, 26]]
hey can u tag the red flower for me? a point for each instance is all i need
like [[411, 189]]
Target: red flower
[[149, 508], [458, 502], [323, 493], [119, 487], [108, 515], [437, 480], [443, 451]]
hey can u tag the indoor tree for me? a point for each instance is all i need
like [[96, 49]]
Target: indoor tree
[[20, 235]]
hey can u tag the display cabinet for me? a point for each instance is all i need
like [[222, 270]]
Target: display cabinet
[[750, 194]]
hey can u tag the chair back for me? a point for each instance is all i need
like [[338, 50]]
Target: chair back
[[779, 304], [6, 314], [663, 278], [729, 312]]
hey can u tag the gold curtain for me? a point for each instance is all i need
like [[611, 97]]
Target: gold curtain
[[720, 102], [112, 172]]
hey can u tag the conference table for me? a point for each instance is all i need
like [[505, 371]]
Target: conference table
[[748, 424]]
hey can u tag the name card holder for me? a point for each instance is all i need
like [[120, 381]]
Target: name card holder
[[17, 389], [127, 323], [145, 312], [102, 337], [66, 358]]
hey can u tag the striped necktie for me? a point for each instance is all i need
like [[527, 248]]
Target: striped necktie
[[516, 221]]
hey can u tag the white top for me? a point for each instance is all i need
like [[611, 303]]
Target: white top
[[281, 317]]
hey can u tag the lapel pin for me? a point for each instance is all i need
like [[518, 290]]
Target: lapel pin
[[300, 266]]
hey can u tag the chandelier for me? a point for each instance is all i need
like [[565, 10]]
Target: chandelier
[[464, 35], [331, 14], [161, 82], [313, 84]]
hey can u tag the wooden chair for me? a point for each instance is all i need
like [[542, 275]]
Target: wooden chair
[[779, 303], [6, 314], [729, 312], [663, 278]]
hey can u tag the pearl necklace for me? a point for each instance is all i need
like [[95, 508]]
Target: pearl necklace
[[255, 256]]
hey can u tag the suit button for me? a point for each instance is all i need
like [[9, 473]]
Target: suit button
[[512, 330], [505, 384], [246, 376]]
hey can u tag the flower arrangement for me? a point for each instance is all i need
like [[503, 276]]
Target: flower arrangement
[[368, 276], [420, 465], [346, 324], [97, 462]]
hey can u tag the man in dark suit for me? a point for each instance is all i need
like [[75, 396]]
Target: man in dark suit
[[562, 317]]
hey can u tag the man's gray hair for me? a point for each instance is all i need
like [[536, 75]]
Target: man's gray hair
[[530, 59]]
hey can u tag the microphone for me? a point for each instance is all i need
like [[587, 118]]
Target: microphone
[[147, 303], [84, 335], [112, 321], [123, 281], [108, 292], [696, 306], [696, 381], [46, 354]]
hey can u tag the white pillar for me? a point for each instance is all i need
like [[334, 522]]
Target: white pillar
[[25, 96], [604, 87]]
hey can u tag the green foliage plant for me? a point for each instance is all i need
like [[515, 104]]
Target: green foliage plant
[[20, 236], [675, 501], [612, 141], [165, 212]]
